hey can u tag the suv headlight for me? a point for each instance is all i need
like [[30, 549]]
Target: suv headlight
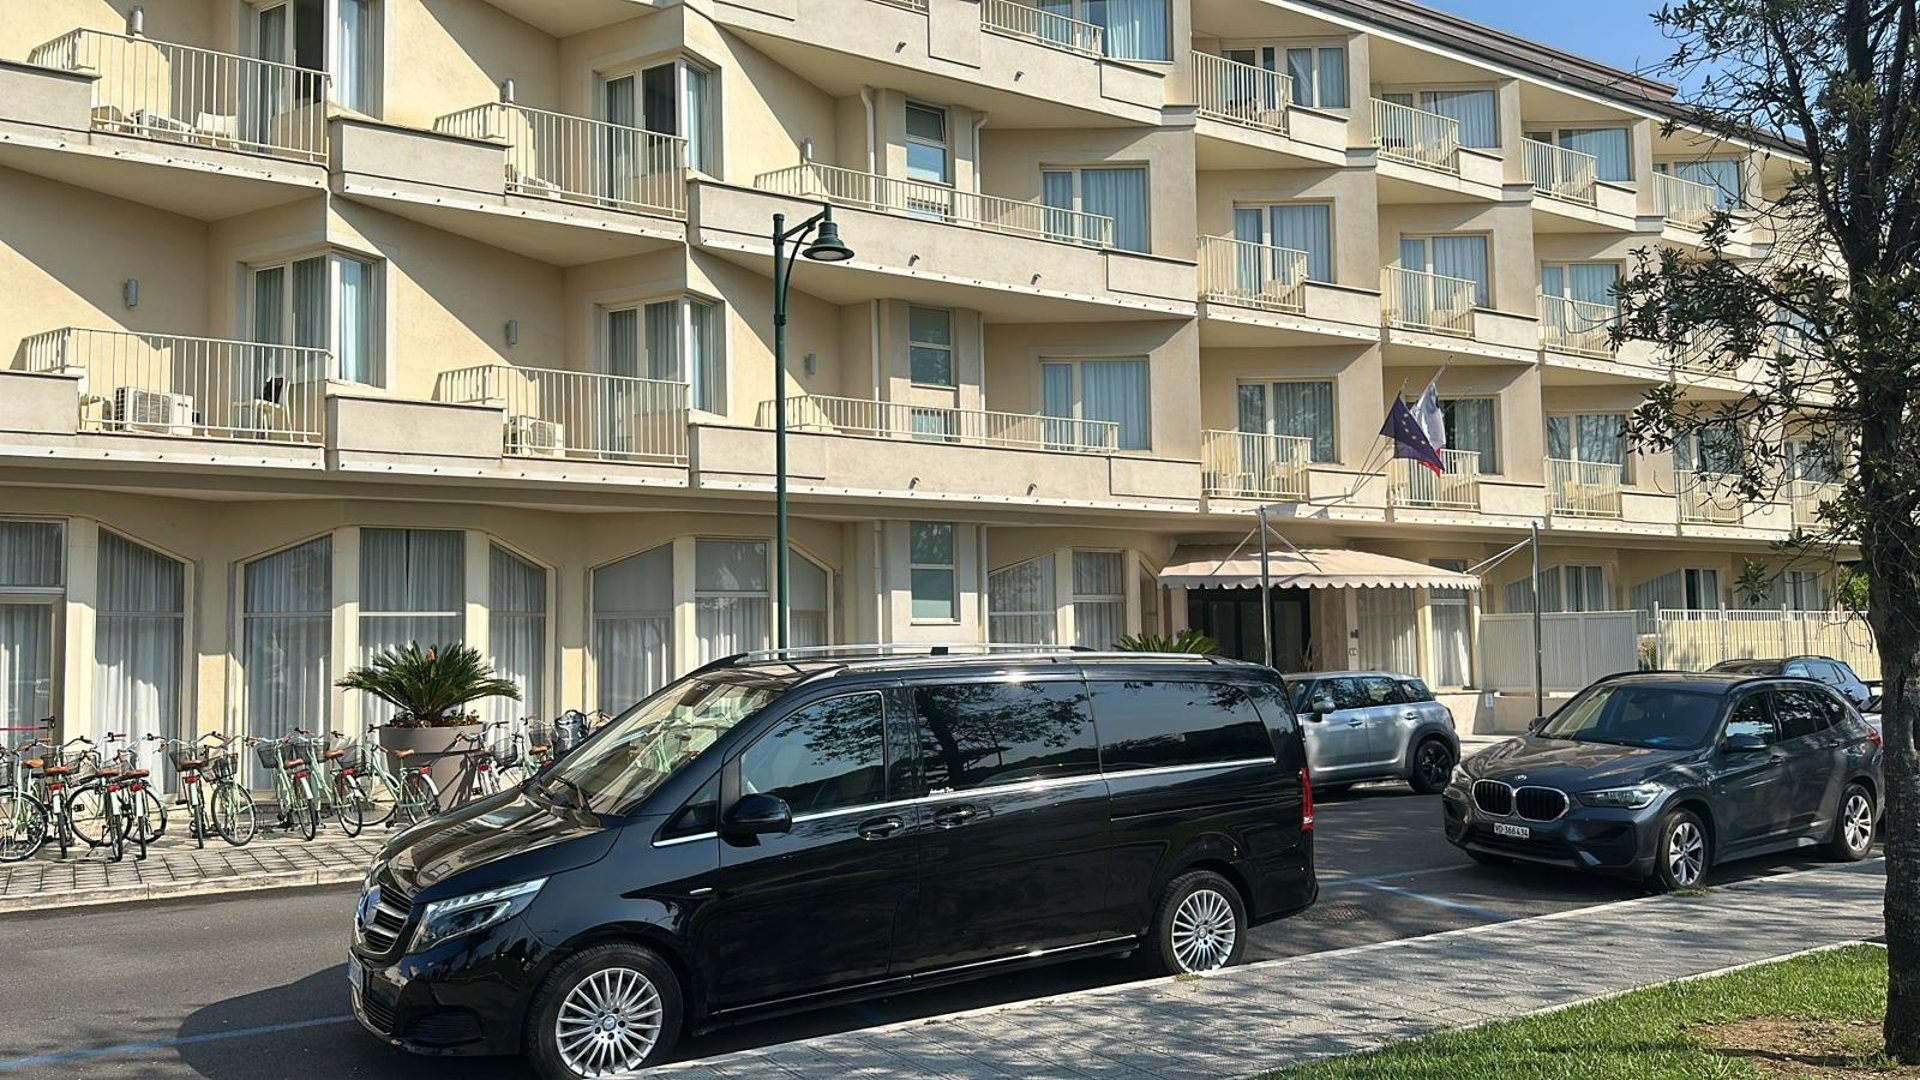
[[1622, 798], [459, 915], [1460, 777]]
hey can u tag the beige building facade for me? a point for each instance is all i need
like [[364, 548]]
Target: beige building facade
[[334, 324]]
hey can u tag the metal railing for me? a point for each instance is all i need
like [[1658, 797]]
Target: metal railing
[[1436, 303], [1240, 93], [938, 202], [577, 414], [1010, 18], [189, 387], [939, 424], [1416, 137], [571, 157], [1707, 498], [1254, 275], [910, 5], [1254, 465], [1806, 498], [1456, 487], [1684, 202], [1560, 173], [1583, 488], [1577, 327], [198, 97]]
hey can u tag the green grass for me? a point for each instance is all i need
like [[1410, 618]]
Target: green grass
[[1645, 1035]]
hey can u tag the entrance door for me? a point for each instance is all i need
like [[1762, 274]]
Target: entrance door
[[1232, 618]]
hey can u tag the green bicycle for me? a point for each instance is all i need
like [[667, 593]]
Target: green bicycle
[[292, 781], [215, 803]]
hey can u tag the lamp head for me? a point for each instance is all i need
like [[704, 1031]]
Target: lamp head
[[827, 246]]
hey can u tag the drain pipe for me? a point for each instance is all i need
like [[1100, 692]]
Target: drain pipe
[[866, 99], [880, 592], [979, 158]]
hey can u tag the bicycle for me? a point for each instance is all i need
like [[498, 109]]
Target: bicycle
[[338, 787], [476, 779], [415, 795], [56, 774], [228, 810], [292, 781], [131, 806], [24, 819]]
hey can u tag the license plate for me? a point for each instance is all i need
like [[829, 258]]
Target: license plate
[[356, 975], [1517, 832]]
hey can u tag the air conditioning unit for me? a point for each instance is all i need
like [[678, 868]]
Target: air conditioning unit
[[153, 411], [530, 436]]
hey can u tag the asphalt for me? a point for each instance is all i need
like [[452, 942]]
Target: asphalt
[[253, 987]]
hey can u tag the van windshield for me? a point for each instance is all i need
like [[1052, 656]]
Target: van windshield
[[639, 749]]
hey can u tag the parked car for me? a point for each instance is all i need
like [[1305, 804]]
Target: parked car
[[778, 832], [1374, 725], [1661, 776], [1834, 673]]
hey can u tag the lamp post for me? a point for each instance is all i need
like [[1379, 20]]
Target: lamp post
[[826, 247]]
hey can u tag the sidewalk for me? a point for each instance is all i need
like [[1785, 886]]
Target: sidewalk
[[1247, 1020], [175, 868]]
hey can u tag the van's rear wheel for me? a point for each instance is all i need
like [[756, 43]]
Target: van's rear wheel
[[609, 1010], [1201, 924]]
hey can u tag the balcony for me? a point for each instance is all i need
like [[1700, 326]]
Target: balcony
[[1684, 202], [938, 203], [1456, 487], [575, 159], [1708, 498], [1559, 173], [1583, 489], [1806, 497], [938, 424], [1240, 93], [1253, 275], [1415, 137], [1430, 303], [171, 386], [1577, 327], [195, 97], [1025, 22], [1253, 465], [577, 415]]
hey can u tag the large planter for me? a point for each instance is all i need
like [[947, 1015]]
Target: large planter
[[439, 746]]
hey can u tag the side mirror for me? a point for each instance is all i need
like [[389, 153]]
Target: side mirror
[[758, 815], [1320, 706], [1535, 724], [1743, 744]]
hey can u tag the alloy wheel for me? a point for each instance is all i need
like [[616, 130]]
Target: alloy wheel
[[1857, 820], [1686, 854], [609, 1023], [1435, 763], [1204, 931]]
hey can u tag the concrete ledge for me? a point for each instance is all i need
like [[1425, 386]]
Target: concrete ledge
[[128, 894]]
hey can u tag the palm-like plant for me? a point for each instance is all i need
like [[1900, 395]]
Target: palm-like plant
[[1187, 641], [429, 685]]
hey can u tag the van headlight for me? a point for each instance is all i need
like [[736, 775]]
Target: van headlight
[[1622, 798], [446, 919]]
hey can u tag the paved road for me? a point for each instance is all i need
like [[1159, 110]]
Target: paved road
[[253, 987]]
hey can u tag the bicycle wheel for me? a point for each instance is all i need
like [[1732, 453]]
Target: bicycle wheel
[[306, 809], [133, 823], [233, 813], [23, 825], [113, 837], [147, 814], [87, 812], [349, 804], [419, 798], [383, 800], [197, 823]]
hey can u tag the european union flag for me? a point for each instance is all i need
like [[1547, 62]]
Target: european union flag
[[1409, 441]]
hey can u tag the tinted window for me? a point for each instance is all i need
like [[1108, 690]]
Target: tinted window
[[1346, 693], [1146, 725], [978, 734], [1799, 713], [1750, 718], [826, 756], [699, 814], [1301, 692], [1630, 714], [1830, 673], [1798, 670], [1379, 690], [1413, 691]]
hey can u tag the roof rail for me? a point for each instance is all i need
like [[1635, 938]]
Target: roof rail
[[838, 652]]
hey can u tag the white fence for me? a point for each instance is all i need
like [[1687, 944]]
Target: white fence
[[1693, 640], [1575, 649]]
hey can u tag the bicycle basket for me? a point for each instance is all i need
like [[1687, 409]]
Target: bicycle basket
[[220, 765], [271, 754], [179, 756], [354, 755], [505, 751], [539, 733]]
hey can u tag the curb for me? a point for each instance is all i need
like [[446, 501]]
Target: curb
[[284, 879]]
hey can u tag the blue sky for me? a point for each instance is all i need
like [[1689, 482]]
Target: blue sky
[[1616, 32]]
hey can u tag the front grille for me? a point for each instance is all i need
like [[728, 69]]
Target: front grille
[[1539, 803], [389, 918], [1493, 797]]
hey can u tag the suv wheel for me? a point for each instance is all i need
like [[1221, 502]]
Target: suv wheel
[[1432, 766], [606, 1011], [1680, 853], [1201, 924], [1853, 827]]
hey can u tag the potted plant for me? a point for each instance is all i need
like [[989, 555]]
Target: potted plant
[[430, 689]]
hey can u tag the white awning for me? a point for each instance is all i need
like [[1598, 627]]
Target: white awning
[[1194, 567]]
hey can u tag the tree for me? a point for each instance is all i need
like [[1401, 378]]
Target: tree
[[1817, 333]]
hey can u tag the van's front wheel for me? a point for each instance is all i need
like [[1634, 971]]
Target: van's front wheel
[[609, 1010], [1201, 924]]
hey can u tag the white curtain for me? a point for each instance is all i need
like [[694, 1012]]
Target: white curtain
[[412, 589], [1135, 29], [1594, 437], [1056, 400], [1463, 257], [1307, 227], [32, 579], [517, 631], [1305, 409], [633, 627], [1331, 90], [1099, 598], [138, 639], [733, 611], [1470, 427], [354, 34], [1474, 109], [1387, 630], [623, 342], [1609, 145], [1300, 70], [1121, 194], [698, 122], [1116, 390], [1452, 663], [1056, 193], [358, 350], [807, 590], [287, 639], [1722, 175], [1021, 603], [703, 369], [663, 341]]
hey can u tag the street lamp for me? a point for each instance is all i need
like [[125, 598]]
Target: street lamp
[[826, 247]]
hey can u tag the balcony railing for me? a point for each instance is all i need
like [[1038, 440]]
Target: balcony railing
[[1253, 275], [1806, 498], [1241, 93], [938, 424], [577, 414], [1253, 465], [571, 157], [1684, 202], [1583, 488], [1457, 487], [189, 387], [1416, 137], [1707, 498], [937, 202], [180, 94], [1436, 303], [1577, 327], [1559, 173], [1010, 18]]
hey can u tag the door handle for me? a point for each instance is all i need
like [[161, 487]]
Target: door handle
[[1409, 715], [1356, 723], [954, 817], [1774, 760], [879, 828]]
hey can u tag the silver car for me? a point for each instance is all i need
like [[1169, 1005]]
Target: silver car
[[1374, 725]]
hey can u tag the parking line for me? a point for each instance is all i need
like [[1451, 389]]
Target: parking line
[[10, 1064], [1478, 912]]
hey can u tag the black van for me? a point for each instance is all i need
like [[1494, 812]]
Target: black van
[[777, 831]]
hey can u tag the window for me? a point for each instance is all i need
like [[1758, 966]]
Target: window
[[139, 640], [287, 638], [976, 735], [1110, 390], [1750, 718], [674, 98], [1413, 692], [1562, 588], [633, 627], [330, 302], [1470, 426], [1476, 111], [827, 756], [1304, 227], [1161, 724], [1299, 409], [1118, 192], [1800, 713], [1319, 75], [1463, 257], [32, 587], [1712, 450], [412, 592], [1813, 460], [1447, 611], [1610, 147], [356, 55], [927, 154], [1387, 634], [1099, 598], [930, 346], [1690, 589], [678, 345], [932, 578], [295, 32], [1723, 175], [1345, 692], [1020, 603], [699, 814], [517, 631], [1130, 29], [733, 611], [1599, 438], [1589, 283], [809, 614]]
